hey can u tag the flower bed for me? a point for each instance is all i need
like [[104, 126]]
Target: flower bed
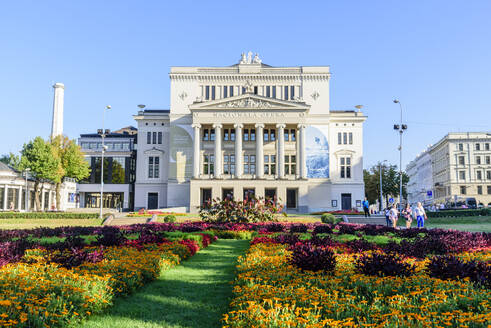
[[316, 280], [59, 283]]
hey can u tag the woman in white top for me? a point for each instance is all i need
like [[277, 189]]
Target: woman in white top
[[393, 216], [420, 214]]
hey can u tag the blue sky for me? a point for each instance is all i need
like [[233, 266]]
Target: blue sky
[[435, 56]]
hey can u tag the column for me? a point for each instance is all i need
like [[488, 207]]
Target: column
[[301, 149], [259, 150], [239, 165], [218, 150], [19, 199], [281, 150], [197, 151], [5, 194]]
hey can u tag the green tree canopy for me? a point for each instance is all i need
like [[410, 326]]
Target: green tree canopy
[[390, 182], [11, 159], [39, 157]]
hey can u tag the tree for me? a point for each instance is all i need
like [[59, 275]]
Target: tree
[[39, 157], [73, 163], [11, 160], [390, 182]]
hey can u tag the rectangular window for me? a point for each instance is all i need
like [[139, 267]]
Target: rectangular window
[[249, 164], [285, 95], [462, 190], [488, 175], [213, 92], [345, 167], [266, 135], [292, 92], [150, 167], [226, 164], [272, 135], [488, 160], [350, 138], [225, 91], [345, 138], [461, 147], [231, 89], [286, 134], [489, 190], [208, 161], [255, 90], [253, 135], [486, 146], [207, 92], [461, 175], [478, 146], [479, 190], [479, 175], [154, 137], [340, 138], [246, 135], [226, 136], [478, 160], [291, 198], [268, 91], [293, 136], [290, 164], [232, 134], [149, 138], [212, 134], [160, 138], [206, 134], [269, 164], [273, 89], [461, 160]]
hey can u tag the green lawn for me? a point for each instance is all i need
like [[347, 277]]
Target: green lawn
[[50, 223], [193, 294], [470, 223]]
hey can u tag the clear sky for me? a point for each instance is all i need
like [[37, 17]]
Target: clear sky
[[435, 56]]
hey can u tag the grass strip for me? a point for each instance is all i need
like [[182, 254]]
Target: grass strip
[[193, 294]]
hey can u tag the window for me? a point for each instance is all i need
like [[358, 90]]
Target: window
[[160, 138], [293, 136], [269, 134], [269, 164], [206, 134], [479, 190], [249, 164], [246, 135], [350, 135], [345, 165], [478, 160], [149, 138], [486, 146], [286, 133], [153, 167], [255, 90], [478, 146], [285, 95], [462, 175], [340, 138], [488, 175], [229, 164], [154, 137], [232, 134], [225, 91], [292, 92], [212, 134], [290, 164], [231, 90], [479, 175], [253, 135], [291, 198], [345, 138], [273, 89], [461, 147], [462, 190], [488, 160], [208, 164], [226, 135], [268, 91], [461, 160], [213, 93], [489, 190], [207, 92]]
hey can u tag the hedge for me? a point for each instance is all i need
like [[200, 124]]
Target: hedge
[[459, 213], [47, 215]]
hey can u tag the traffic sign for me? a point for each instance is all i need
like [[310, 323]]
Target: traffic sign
[[391, 200]]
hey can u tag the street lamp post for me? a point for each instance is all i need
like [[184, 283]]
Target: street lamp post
[[103, 134], [400, 127], [26, 200]]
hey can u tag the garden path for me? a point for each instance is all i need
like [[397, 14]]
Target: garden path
[[193, 294]]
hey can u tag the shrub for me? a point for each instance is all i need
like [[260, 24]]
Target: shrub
[[329, 218], [289, 239], [451, 267], [382, 264], [301, 228], [74, 257], [459, 213], [170, 218], [232, 234], [361, 245], [249, 210], [275, 227], [323, 228], [307, 256]]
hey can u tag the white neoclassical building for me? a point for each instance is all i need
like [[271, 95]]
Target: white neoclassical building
[[250, 128]]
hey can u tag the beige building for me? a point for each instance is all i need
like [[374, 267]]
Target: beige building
[[250, 128], [461, 167]]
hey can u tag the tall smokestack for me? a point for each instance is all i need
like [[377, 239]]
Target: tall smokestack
[[57, 127]]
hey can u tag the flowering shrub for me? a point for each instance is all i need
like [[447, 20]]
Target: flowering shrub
[[381, 264], [249, 210], [323, 228], [451, 267], [302, 228], [307, 256]]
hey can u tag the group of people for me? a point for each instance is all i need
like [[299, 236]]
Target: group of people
[[419, 213]]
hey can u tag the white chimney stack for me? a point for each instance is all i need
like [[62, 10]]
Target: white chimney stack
[[57, 127]]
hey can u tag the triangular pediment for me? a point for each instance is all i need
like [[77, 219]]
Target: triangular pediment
[[250, 101]]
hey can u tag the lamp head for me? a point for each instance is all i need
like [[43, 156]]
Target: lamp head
[[396, 101], [108, 107], [141, 106]]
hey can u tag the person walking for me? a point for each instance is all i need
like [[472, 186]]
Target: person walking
[[408, 215], [420, 214], [366, 206], [387, 219], [393, 216]]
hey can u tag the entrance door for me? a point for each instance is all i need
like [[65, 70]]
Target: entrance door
[[346, 201], [205, 196], [248, 193], [291, 198], [153, 201], [227, 194]]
